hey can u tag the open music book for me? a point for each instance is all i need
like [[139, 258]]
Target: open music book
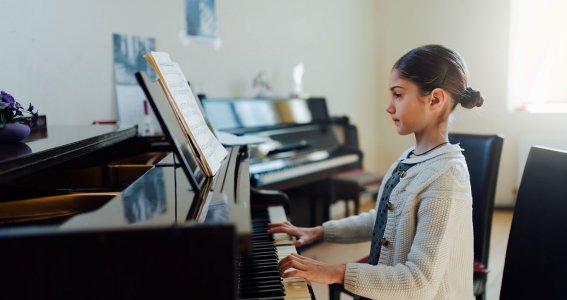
[[207, 149]]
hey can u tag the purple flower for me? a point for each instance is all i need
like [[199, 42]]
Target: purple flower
[[12, 111], [7, 97]]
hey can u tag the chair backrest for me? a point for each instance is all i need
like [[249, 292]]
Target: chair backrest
[[536, 257], [347, 136], [482, 153], [346, 132]]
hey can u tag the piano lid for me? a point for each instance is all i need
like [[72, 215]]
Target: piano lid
[[62, 144]]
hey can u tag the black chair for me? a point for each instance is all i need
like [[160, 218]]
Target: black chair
[[536, 260], [482, 153]]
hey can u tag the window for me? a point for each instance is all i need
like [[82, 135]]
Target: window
[[538, 56]]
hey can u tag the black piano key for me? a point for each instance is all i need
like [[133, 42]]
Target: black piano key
[[260, 274], [262, 234], [264, 221], [250, 286], [263, 257], [265, 247], [260, 254], [263, 244], [265, 286], [250, 289], [267, 257], [262, 260], [260, 264], [269, 280]]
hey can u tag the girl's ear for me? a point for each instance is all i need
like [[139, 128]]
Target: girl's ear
[[438, 99]]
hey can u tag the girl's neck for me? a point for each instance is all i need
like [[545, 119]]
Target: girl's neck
[[424, 142]]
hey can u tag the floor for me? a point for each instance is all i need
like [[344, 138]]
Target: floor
[[341, 253]]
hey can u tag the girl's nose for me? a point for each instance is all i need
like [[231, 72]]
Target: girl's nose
[[390, 108]]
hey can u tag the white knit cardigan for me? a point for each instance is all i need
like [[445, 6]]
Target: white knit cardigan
[[430, 233]]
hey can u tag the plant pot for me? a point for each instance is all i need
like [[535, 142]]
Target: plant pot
[[13, 150], [14, 132]]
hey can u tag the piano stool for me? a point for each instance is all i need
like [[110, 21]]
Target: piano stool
[[351, 185]]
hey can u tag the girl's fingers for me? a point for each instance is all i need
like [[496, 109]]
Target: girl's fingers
[[284, 227], [278, 224], [298, 256], [279, 228], [295, 265], [292, 261], [287, 260], [294, 273], [292, 266]]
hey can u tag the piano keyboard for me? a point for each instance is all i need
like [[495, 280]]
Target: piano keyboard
[[302, 169], [259, 275]]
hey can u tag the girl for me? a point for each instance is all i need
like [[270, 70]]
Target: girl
[[421, 229]]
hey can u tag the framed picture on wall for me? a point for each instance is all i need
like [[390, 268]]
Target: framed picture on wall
[[201, 19], [132, 110]]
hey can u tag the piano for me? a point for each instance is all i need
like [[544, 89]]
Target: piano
[[301, 153], [98, 212]]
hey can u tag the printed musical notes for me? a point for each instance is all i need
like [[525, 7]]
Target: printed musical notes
[[208, 150]]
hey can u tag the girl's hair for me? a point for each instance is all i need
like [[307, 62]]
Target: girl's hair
[[434, 66]]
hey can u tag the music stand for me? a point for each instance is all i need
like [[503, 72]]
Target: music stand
[[172, 131]]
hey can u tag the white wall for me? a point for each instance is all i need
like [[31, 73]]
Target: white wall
[[58, 55]]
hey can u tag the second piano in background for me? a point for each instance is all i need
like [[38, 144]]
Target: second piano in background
[[302, 152]]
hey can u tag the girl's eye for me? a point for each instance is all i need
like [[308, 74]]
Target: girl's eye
[[396, 95]]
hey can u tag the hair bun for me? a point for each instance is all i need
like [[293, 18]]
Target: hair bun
[[471, 98]]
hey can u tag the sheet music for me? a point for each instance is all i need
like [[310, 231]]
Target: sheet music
[[192, 121]]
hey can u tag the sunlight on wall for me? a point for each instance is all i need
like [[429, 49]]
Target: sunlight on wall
[[538, 44]]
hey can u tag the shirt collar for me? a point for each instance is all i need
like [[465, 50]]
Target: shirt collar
[[447, 148]]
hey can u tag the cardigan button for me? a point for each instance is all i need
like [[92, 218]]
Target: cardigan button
[[390, 206], [384, 242]]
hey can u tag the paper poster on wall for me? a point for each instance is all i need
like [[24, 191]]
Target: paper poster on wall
[[201, 22], [132, 106]]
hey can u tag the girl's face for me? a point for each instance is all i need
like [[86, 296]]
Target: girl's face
[[407, 107]]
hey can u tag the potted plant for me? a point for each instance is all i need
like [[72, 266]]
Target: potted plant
[[15, 121]]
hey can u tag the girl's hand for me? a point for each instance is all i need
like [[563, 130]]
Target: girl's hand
[[305, 235], [311, 269]]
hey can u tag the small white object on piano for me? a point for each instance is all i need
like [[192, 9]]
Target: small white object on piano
[[229, 139]]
